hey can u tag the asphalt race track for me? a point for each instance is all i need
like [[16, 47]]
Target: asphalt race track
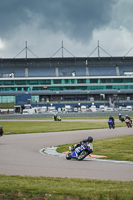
[[20, 155]]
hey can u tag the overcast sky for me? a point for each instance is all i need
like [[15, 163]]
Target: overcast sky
[[80, 24]]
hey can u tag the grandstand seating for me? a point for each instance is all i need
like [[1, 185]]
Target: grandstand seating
[[68, 70], [125, 68], [7, 70], [60, 67], [41, 71], [102, 71]]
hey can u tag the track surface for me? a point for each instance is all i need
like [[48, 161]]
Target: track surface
[[19, 155]]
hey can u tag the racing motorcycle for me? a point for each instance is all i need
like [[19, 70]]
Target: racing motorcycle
[[111, 124], [121, 118], [58, 118], [80, 152], [128, 123]]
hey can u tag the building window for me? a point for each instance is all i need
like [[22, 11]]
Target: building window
[[32, 82], [45, 82], [20, 82], [93, 80], [57, 81], [81, 81], [66, 81]]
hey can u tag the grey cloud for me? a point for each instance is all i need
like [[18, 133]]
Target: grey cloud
[[122, 15], [75, 18]]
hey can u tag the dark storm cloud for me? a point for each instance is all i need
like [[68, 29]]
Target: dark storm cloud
[[76, 18]]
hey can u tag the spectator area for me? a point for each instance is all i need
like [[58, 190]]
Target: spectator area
[[62, 67]]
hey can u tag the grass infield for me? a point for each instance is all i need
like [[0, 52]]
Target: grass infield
[[19, 127], [119, 148]]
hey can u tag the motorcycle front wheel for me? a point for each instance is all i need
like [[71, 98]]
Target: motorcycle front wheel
[[82, 155], [68, 156]]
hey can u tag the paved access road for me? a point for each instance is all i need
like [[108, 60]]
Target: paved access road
[[19, 155]]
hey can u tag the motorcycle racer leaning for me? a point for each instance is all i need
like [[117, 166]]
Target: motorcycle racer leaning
[[127, 117], [83, 142]]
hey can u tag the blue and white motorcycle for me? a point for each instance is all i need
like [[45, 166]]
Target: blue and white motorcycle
[[111, 124], [80, 152]]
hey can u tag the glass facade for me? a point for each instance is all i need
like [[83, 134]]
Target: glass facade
[[63, 84], [66, 84], [7, 99], [35, 99]]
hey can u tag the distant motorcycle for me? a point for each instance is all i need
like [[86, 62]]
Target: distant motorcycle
[[128, 123], [121, 118], [111, 124], [80, 152], [58, 118]]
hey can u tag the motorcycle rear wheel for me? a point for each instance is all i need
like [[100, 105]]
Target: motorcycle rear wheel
[[82, 155]]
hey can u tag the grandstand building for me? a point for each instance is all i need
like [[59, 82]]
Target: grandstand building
[[67, 79]]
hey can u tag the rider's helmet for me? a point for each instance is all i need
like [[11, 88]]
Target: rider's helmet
[[90, 139], [119, 113]]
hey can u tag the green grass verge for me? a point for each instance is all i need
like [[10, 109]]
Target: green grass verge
[[119, 148], [27, 118], [42, 188], [7, 105], [18, 127]]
